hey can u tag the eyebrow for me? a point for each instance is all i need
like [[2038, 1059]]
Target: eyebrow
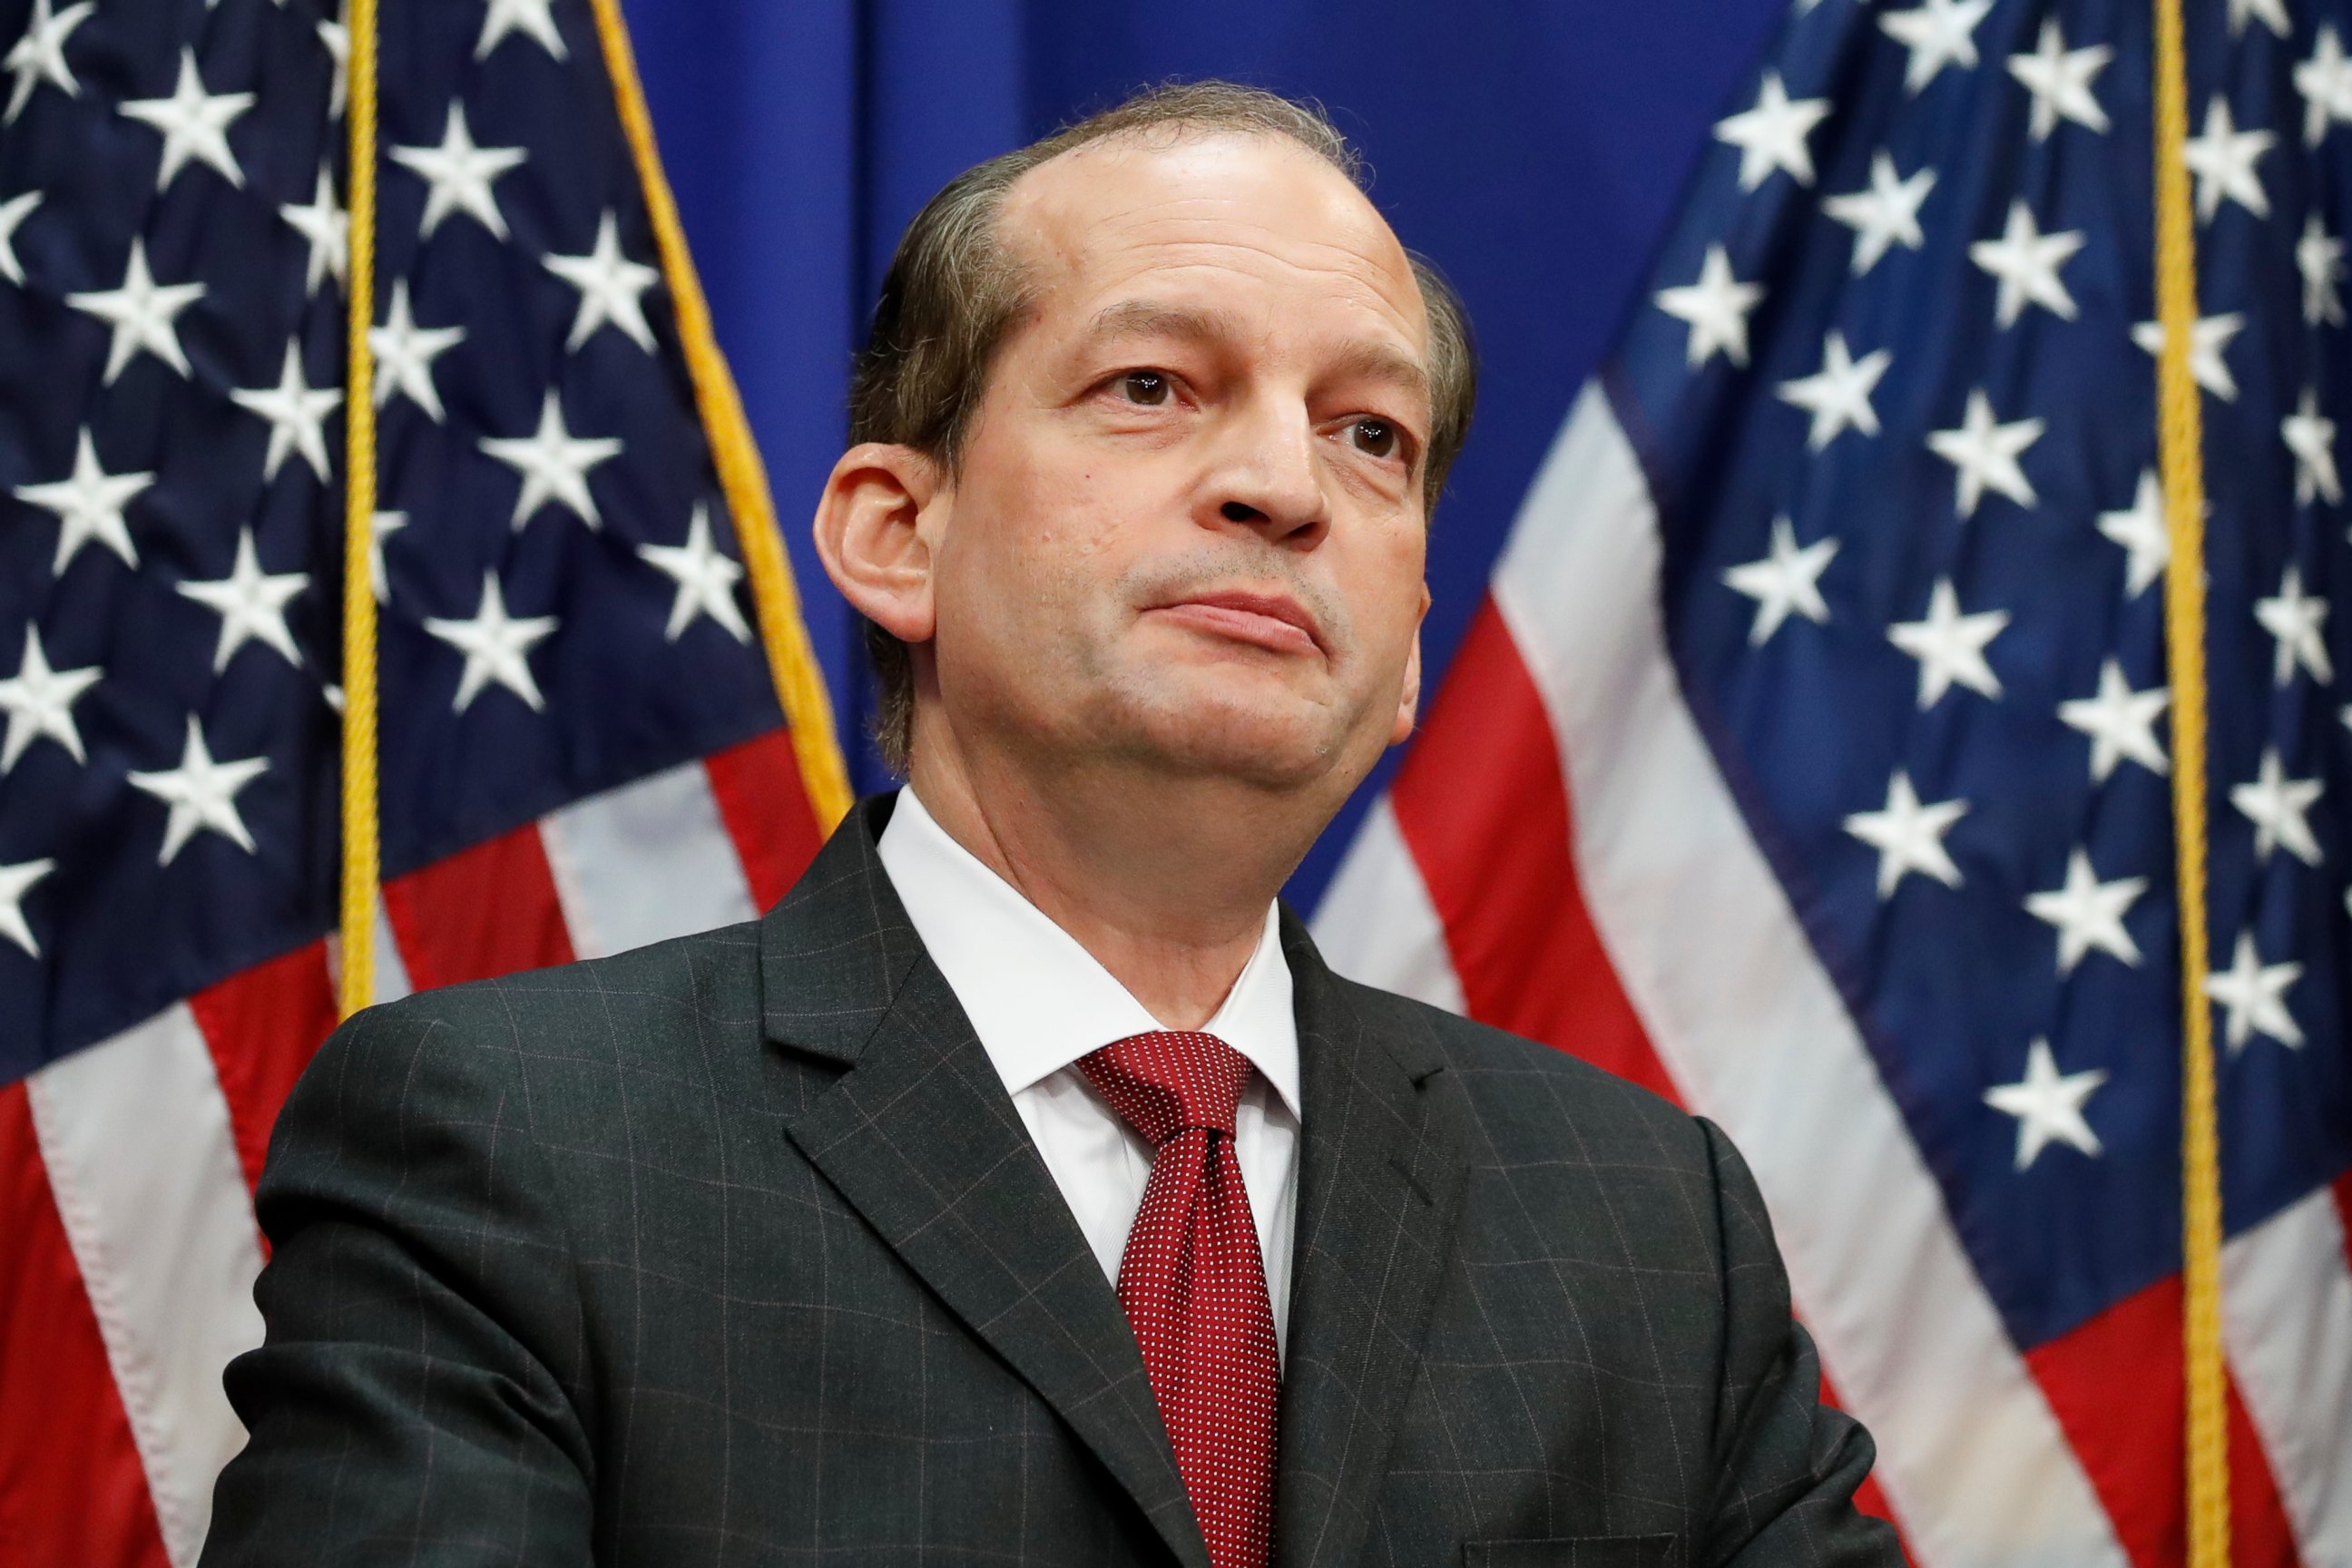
[[1362, 359]]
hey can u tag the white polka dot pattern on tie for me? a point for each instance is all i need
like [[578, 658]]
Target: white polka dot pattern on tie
[[1193, 1282]]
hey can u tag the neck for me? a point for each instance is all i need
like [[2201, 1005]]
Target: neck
[[1166, 882]]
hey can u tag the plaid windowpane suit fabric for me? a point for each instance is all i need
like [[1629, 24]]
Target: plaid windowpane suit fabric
[[734, 1250]]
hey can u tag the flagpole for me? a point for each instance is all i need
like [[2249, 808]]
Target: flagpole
[[355, 985], [2180, 450]]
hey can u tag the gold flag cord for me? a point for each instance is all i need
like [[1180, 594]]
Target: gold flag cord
[[2180, 448], [355, 985], [791, 664]]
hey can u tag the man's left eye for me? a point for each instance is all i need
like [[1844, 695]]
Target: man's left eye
[[1375, 438]]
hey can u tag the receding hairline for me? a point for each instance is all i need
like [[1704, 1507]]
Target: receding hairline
[[1139, 316]]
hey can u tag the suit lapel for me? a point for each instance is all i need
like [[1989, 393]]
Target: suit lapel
[[921, 1137], [1379, 1181]]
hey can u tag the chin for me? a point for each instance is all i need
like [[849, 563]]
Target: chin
[[1284, 745]]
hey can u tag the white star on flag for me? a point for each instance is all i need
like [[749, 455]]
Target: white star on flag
[[1771, 135], [2209, 342], [13, 212], [16, 881], [2254, 995], [2326, 82], [142, 313], [2311, 436], [404, 354], [1786, 579], [535, 19], [1950, 645], [2026, 261], [706, 580], [338, 41], [1938, 33], [553, 464], [39, 700], [610, 286], [459, 175], [202, 794], [2319, 256], [2278, 806], [39, 54], [297, 413], [89, 505], [2121, 723], [2297, 624], [1984, 453], [1887, 214], [382, 526], [2141, 529], [1908, 836], [2048, 1106], [2222, 158], [2060, 80], [195, 124], [2089, 913], [251, 605], [2271, 13], [1716, 308], [497, 648], [1838, 394], [327, 228]]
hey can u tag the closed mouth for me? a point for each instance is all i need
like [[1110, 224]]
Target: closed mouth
[[1274, 621]]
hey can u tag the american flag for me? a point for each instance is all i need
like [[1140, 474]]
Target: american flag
[[580, 746], [1809, 758]]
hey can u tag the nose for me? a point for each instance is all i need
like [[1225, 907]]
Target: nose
[[1269, 481]]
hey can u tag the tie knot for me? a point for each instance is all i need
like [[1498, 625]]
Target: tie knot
[[1169, 1080]]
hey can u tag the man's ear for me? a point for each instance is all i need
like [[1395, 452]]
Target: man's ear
[[1409, 698], [867, 537]]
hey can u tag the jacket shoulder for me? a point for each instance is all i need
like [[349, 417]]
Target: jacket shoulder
[[1543, 1096], [543, 1041], [699, 984]]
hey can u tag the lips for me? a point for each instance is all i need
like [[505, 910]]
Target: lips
[[1274, 621]]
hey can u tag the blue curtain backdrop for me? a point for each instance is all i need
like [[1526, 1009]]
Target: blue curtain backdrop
[[1535, 149]]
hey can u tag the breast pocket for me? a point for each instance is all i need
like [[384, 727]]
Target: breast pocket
[[1570, 1551]]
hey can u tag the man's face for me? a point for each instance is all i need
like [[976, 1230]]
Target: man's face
[[1187, 527]]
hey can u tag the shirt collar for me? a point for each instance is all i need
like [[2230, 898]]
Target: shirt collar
[[1038, 999]]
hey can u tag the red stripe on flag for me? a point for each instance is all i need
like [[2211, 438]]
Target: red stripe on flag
[[483, 911], [2114, 1385], [758, 787], [1482, 805], [2344, 1213], [263, 1027], [72, 1489]]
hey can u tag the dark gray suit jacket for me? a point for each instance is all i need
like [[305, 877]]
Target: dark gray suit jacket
[[734, 1250]]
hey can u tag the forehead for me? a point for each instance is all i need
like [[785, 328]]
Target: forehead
[[1178, 213]]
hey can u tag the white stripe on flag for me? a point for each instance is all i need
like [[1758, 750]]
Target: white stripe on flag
[[1755, 1035], [645, 862], [135, 1133], [1376, 923], [2287, 1314]]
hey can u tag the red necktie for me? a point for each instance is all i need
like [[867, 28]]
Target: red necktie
[[1193, 1281]]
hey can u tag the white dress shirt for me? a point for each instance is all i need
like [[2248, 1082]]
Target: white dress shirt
[[1039, 1001]]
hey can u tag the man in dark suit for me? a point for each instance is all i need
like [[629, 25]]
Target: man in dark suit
[[1023, 1188]]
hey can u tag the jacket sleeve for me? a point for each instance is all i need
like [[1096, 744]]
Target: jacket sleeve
[[1785, 1465], [417, 1399]]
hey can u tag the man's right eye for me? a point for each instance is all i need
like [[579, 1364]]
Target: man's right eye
[[1146, 388]]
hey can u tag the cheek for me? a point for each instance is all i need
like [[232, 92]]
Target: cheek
[[1036, 545], [1386, 578]]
